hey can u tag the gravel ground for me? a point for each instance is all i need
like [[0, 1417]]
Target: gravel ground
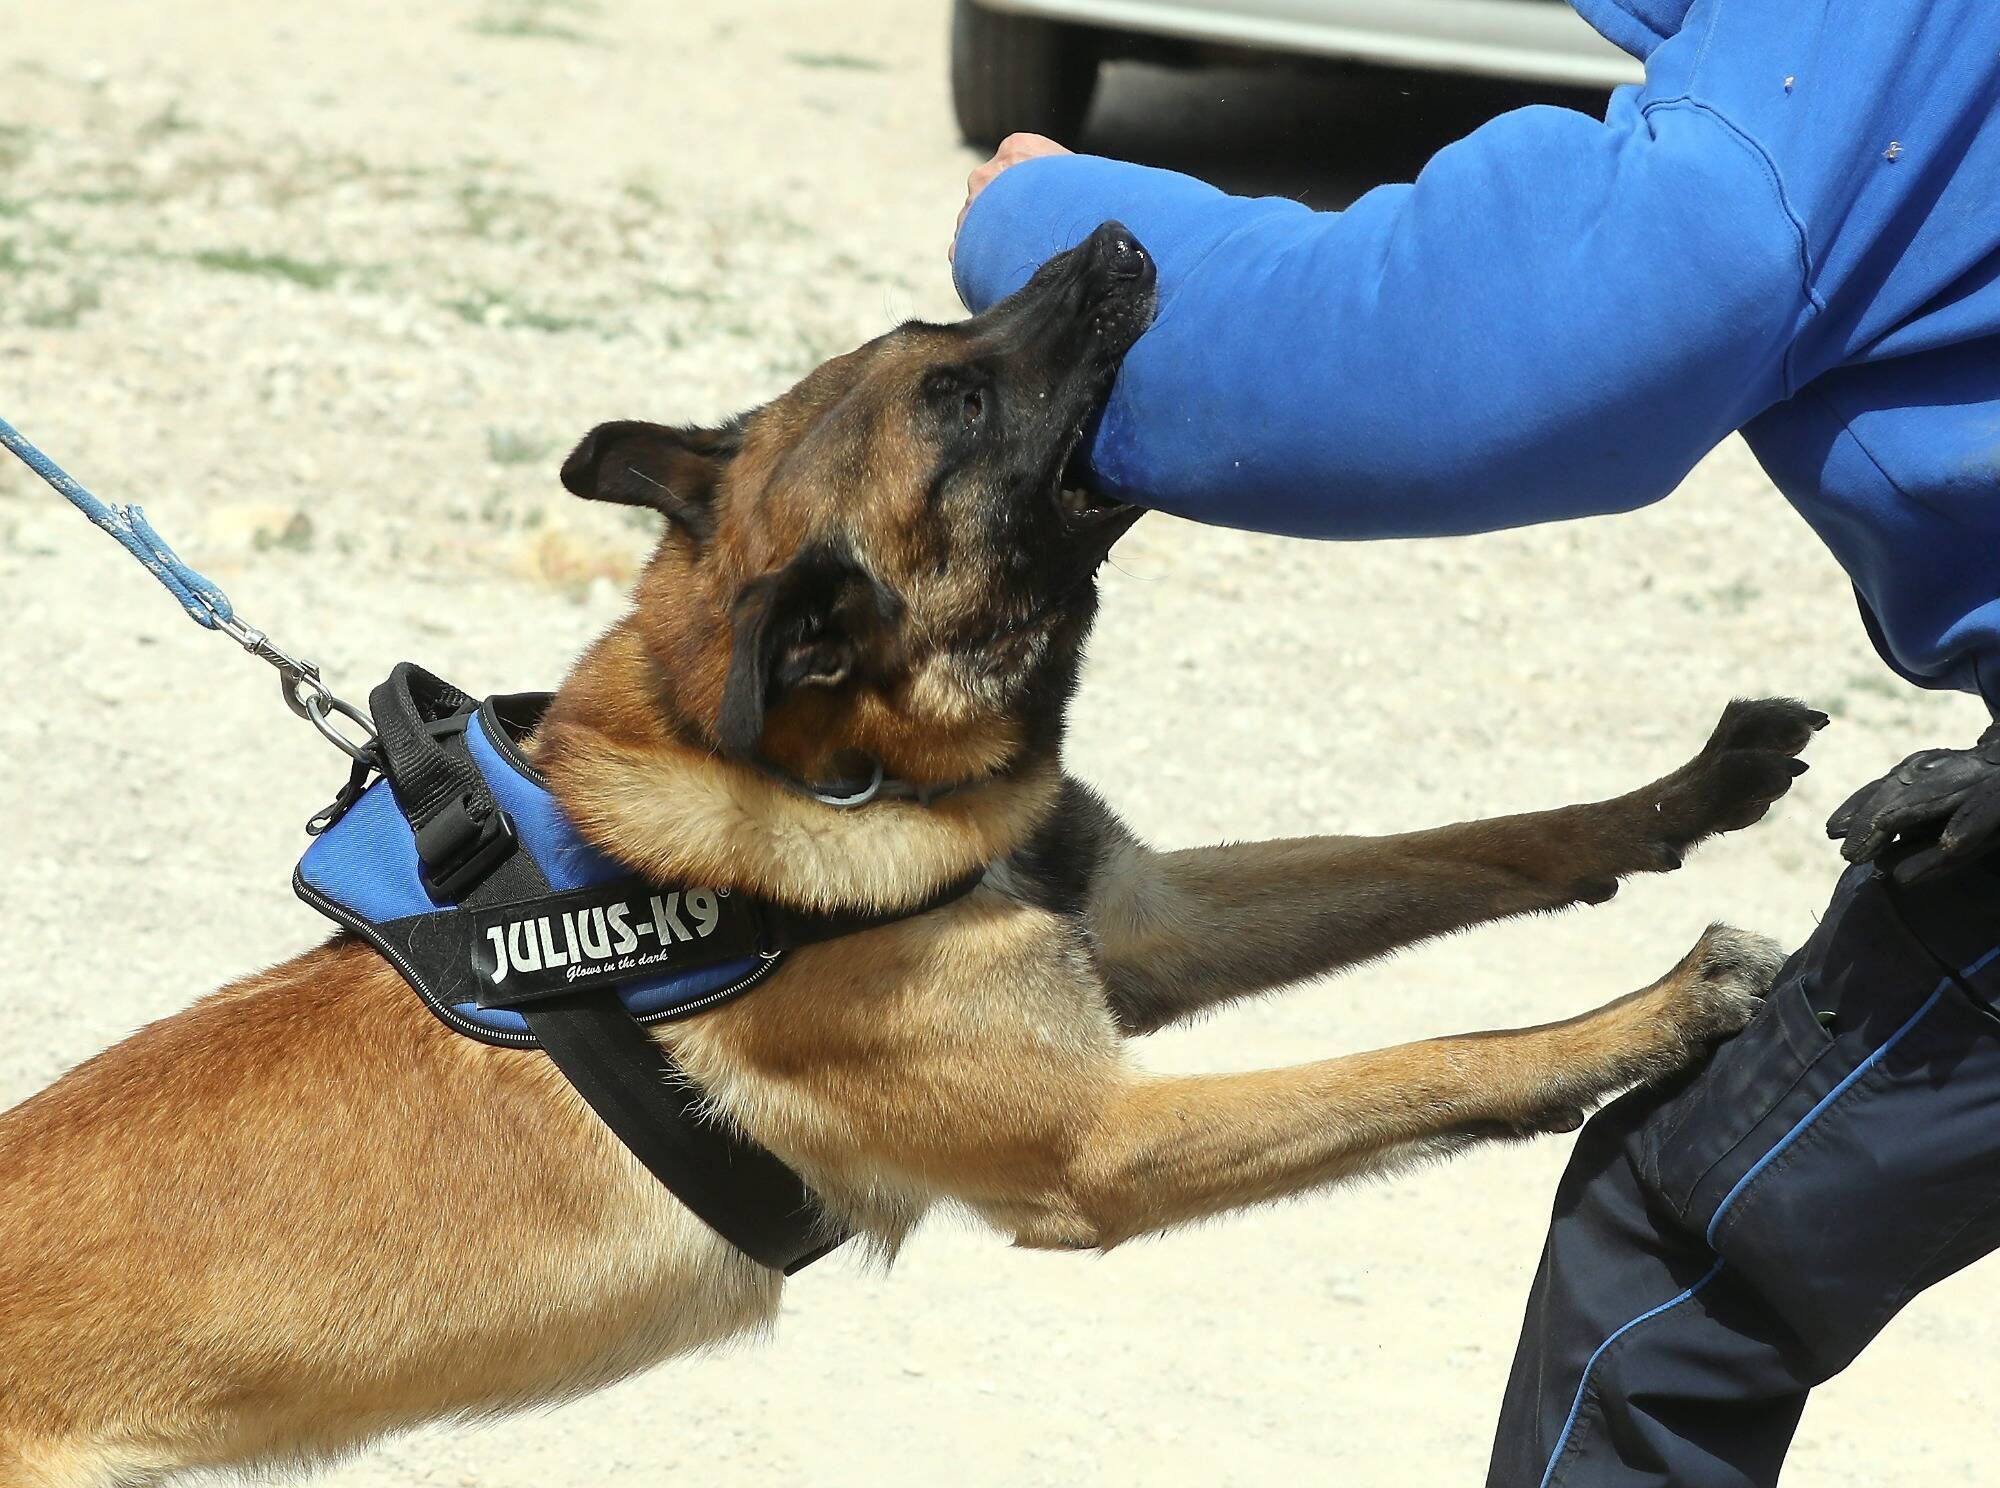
[[331, 292]]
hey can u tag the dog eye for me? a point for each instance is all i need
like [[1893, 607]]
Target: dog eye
[[957, 397]]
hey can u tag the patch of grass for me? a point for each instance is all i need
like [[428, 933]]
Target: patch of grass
[[292, 176], [15, 142], [1735, 598], [1731, 599], [693, 294], [482, 208], [296, 536], [646, 194], [767, 221], [83, 297], [11, 261], [499, 212], [12, 208], [108, 196], [535, 20], [494, 510], [486, 307], [834, 61], [527, 28], [511, 447], [269, 266], [169, 120], [477, 207]]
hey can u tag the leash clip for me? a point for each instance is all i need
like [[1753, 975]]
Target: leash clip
[[305, 694]]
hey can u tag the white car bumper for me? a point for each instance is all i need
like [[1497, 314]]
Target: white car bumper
[[1542, 40]]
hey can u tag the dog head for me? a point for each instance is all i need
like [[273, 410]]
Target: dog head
[[894, 558]]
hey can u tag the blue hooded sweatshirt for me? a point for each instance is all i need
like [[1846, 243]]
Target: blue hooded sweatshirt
[[1791, 228]]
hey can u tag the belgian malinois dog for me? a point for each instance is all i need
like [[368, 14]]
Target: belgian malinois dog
[[243, 1235]]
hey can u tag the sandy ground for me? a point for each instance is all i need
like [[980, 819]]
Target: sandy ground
[[330, 293]]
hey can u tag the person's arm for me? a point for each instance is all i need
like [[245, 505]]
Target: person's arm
[[1559, 318]]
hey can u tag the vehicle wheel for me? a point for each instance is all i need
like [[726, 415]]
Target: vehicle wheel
[[1014, 73]]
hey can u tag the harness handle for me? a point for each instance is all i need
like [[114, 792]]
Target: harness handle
[[461, 833]]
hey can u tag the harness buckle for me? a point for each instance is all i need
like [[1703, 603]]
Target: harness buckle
[[457, 850], [329, 815]]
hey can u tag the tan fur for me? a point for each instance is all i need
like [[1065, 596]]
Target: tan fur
[[303, 1213], [681, 814]]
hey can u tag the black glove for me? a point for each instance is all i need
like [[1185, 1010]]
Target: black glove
[[1948, 799]]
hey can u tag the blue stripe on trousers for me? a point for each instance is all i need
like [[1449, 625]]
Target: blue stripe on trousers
[[1874, 1058]]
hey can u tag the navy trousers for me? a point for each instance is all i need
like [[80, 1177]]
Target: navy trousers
[[1722, 1244]]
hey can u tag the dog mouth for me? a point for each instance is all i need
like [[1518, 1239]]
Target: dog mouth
[[1082, 505], [1088, 512], [1092, 523], [1083, 509]]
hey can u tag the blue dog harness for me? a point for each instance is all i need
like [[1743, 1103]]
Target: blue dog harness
[[461, 869], [666, 952]]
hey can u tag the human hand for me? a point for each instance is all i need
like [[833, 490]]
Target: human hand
[[1013, 150], [1956, 792]]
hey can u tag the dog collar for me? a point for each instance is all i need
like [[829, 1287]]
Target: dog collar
[[460, 867], [846, 795]]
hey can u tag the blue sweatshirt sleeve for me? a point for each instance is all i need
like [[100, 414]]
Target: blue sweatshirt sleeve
[[1558, 318]]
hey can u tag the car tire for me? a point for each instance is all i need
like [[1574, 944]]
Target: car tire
[[1019, 74]]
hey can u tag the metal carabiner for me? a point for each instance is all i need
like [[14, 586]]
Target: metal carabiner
[[304, 693]]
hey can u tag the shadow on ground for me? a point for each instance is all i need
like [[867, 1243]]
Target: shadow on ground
[[1321, 134]]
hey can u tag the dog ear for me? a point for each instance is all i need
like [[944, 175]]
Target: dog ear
[[673, 471], [809, 624]]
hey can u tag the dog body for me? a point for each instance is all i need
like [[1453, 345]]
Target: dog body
[[303, 1212]]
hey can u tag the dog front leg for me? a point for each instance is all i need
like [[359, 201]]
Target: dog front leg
[[1182, 931], [1164, 1151]]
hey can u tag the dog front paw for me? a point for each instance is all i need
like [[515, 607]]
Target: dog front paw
[[1747, 764], [1720, 985]]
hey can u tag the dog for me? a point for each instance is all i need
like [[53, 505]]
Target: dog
[[303, 1213]]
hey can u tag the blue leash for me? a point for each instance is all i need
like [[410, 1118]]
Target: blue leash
[[203, 600]]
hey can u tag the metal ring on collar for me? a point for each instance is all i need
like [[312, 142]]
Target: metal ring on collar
[[321, 704], [861, 797]]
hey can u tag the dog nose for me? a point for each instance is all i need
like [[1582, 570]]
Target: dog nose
[[1114, 251], [1122, 256]]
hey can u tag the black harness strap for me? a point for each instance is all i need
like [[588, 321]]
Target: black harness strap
[[461, 833], [740, 1190]]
